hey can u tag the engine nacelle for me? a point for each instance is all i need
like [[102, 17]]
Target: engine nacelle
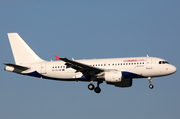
[[113, 76], [123, 83]]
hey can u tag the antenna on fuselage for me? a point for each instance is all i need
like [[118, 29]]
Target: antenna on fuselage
[[147, 55]]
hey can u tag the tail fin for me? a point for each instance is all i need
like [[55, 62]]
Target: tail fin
[[21, 51]]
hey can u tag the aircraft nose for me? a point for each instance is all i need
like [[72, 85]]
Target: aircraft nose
[[173, 69]]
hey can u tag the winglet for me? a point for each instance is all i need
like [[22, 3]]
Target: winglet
[[57, 57]]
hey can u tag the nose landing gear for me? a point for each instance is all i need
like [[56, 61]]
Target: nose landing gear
[[151, 86], [150, 81]]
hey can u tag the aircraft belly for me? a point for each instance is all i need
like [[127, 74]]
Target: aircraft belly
[[54, 77], [61, 74]]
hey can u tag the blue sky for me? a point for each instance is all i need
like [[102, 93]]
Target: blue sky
[[84, 30]]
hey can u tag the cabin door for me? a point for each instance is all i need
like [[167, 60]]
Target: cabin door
[[149, 63], [43, 68]]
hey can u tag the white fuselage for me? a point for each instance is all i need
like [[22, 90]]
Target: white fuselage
[[139, 66]]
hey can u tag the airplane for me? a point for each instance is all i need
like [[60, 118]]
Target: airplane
[[114, 71]]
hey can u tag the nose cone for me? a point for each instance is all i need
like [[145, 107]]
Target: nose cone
[[173, 69]]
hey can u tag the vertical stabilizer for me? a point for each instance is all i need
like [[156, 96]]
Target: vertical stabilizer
[[21, 51]]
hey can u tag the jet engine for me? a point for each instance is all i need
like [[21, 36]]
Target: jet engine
[[116, 78], [123, 83], [113, 76]]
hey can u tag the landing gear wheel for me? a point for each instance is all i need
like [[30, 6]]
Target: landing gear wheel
[[151, 86], [91, 87], [97, 90]]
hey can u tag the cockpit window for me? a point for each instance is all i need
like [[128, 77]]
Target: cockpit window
[[163, 62]]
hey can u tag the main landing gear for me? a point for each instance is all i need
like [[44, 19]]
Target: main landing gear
[[97, 89], [150, 81]]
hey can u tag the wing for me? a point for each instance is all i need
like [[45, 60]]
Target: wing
[[80, 67]]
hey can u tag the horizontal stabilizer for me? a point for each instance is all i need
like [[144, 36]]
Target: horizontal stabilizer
[[17, 66]]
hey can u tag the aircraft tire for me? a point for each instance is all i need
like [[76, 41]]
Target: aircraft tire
[[91, 87], [151, 86], [97, 90]]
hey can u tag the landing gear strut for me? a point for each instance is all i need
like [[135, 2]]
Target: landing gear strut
[[150, 81], [97, 89]]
